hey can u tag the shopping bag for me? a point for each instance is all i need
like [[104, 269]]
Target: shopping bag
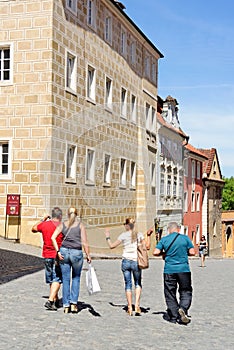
[[92, 281]]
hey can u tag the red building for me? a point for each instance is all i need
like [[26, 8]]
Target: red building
[[193, 191]]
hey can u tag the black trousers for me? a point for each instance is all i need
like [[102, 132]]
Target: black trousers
[[181, 282]]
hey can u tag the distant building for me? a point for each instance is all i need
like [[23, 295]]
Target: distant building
[[170, 156], [78, 114], [193, 192], [227, 233], [212, 201]]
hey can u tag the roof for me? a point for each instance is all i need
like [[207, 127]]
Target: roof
[[120, 8], [179, 131], [196, 151]]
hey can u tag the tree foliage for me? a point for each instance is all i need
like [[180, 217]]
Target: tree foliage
[[228, 194]]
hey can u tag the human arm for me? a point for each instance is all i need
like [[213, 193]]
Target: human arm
[[85, 244], [35, 227], [57, 231], [191, 252], [156, 252], [108, 240]]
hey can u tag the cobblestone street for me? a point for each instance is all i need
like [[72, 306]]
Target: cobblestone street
[[102, 322]]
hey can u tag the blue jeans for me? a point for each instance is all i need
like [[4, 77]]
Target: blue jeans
[[129, 268], [171, 283], [52, 271], [72, 263]]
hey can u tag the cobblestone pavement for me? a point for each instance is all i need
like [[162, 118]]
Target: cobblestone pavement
[[102, 322]]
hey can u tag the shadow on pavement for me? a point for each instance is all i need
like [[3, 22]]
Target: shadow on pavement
[[14, 265], [125, 308], [83, 306]]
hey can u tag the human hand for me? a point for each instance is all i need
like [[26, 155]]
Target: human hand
[[150, 231], [60, 256], [88, 258]]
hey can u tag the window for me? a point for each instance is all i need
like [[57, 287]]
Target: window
[[5, 165], [71, 72], [193, 168], [154, 73], [91, 83], [147, 67], [193, 202], [107, 169], [198, 201], [153, 120], [181, 187], [175, 182], [108, 93], [108, 29], [162, 180], [186, 230], [123, 43], [124, 103], [123, 172], [185, 202], [133, 174], [197, 234], [91, 13], [72, 5], [147, 116], [169, 181], [6, 64], [133, 52], [71, 163], [186, 167], [198, 170], [90, 166], [153, 178], [133, 109]]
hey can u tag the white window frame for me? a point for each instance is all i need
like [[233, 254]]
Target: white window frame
[[175, 182], [153, 177], [133, 108], [124, 96], [193, 202], [198, 234], [5, 176], [123, 41], [91, 83], [108, 28], [10, 47], [147, 116], [162, 180], [90, 166], [70, 163], [71, 72], [153, 120], [123, 172], [107, 169], [186, 167], [133, 175], [198, 170], [108, 93], [91, 13], [198, 201], [72, 6], [193, 169]]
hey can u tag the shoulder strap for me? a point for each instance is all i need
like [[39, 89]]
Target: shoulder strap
[[171, 243]]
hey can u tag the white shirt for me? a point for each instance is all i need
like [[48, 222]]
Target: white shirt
[[129, 247]]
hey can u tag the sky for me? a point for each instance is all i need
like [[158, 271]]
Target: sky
[[196, 39]]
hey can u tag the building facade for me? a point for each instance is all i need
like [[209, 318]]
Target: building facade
[[78, 114], [193, 192], [212, 201], [171, 142], [227, 233]]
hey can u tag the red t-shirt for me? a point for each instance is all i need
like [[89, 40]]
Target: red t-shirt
[[47, 229]]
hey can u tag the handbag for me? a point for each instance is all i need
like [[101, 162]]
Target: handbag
[[92, 281], [142, 255], [205, 251]]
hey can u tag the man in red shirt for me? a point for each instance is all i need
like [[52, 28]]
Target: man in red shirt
[[53, 274]]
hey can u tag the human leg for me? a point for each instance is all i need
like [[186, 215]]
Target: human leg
[[126, 269], [76, 257], [138, 286], [53, 280], [170, 288], [65, 265], [185, 290]]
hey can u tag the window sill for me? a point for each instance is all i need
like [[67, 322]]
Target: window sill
[[90, 100], [89, 183], [70, 91], [70, 181]]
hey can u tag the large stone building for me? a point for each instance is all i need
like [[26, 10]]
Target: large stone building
[[78, 114]]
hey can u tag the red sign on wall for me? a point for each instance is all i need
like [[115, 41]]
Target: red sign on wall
[[13, 205]]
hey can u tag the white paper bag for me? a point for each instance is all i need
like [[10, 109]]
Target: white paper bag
[[92, 281]]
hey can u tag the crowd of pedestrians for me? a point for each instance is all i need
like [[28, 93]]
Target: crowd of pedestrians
[[63, 246]]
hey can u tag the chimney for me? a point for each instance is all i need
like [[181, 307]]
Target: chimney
[[120, 5]]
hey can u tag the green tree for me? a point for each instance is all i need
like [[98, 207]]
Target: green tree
[[228, 194]]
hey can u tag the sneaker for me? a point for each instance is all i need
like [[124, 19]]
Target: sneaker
[[49, 305], [57, 303], [183, 317]]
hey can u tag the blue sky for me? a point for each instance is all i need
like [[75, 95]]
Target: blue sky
[[197, 41]]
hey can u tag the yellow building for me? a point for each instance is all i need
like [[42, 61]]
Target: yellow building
[[227, 233], [78, 109]]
